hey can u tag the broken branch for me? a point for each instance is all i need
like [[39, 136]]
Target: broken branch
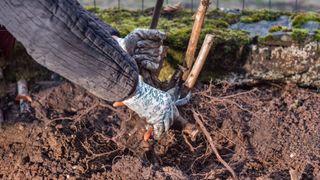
[[209, 139], [201, 59]]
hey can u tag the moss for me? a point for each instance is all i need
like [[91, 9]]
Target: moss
[[286, 29], [262, 14], [179, 14], [266, 37], [175, 57], [166, 71], [178, 28], [90, 8], [300, 35], [317, 35], [275, 28], [234, 37], [178, 37], [220, 15], [299, 19]]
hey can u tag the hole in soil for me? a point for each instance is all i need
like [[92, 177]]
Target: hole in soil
[[25, 160], [278, 175], [70, 113], [308, 172]]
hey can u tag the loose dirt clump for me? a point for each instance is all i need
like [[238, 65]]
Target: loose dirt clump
[[266, 131]]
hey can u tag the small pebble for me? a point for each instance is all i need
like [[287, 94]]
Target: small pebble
[[292, 155], [21, 127]]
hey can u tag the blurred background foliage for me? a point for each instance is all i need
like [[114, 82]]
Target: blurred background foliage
[[289, 5]]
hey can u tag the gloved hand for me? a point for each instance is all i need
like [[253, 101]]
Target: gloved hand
[[145, 46], [157, 106]]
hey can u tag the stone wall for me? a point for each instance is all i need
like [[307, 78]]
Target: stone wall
[[285, 62]]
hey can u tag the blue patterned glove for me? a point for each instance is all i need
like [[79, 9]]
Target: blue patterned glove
[[157, 106]]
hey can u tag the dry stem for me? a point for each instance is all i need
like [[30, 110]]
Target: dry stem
[[209, 139]]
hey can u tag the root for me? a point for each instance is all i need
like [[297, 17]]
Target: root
[[209, 139]]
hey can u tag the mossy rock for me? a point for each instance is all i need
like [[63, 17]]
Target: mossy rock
[[262, 14], [178, 27], [300, 18], [300, 35], [283, 40], [223, 16], [317, 35], [275, 28], [265, 38]]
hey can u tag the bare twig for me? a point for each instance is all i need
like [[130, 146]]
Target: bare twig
[[209, 139], [201, 59], [85, 112], [188, 143], [240, 94]]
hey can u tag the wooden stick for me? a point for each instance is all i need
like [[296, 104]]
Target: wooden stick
[[156, 14], [192, 46], [201, 59], [214, 149]]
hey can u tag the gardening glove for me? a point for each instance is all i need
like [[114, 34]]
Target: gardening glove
[[155, 105], [145, 46]]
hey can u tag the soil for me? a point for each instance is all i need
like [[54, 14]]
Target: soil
[[265, 131]]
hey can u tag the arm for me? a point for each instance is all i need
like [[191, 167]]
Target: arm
[[62, 36]]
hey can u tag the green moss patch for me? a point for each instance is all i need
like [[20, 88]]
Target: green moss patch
[[299, 19], [265, 38], [300, 35], [262, 14], [275, 28], [230, 47], [317, 35], [178, 27]]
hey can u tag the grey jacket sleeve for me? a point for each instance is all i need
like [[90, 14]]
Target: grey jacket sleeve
[[65, 38]]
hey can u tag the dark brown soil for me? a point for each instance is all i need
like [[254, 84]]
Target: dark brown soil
[[262, 132], [266, 131]]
